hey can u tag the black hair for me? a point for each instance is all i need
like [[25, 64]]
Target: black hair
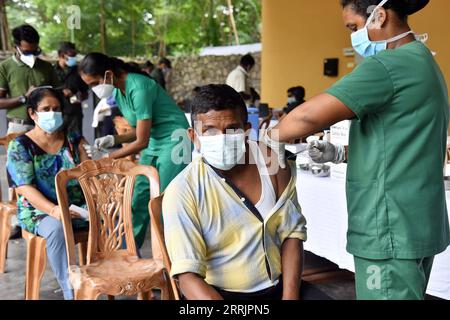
[[96, 64], [361, 7], [65, 47], [134, 64], [298, 93], [149, 64], [248, 61], [217, 97], [166, 62], [38, 94], [26, 33]]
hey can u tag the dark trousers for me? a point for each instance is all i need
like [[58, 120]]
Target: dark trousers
[[307, 292]]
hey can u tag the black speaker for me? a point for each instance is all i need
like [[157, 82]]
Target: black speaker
[[331, 67]]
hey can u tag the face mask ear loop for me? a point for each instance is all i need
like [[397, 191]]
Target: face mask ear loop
[[112, 78], [372, 15]]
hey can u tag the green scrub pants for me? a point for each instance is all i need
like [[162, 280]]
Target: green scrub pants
[[167, 171], [392, 279]]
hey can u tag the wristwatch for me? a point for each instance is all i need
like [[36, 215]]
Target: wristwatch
[[22, 99]]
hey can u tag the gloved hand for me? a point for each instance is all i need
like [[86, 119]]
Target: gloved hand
[[93, 153], [105, 142], [323, 152], [278, 147]]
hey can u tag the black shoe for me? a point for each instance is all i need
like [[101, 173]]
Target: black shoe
[[16, 233]]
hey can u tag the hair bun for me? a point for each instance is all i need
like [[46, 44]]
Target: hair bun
[[413, 6]]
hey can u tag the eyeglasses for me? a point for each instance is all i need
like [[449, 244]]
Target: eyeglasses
[[29, 52]]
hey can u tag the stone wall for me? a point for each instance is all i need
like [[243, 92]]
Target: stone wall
[[189, 72]]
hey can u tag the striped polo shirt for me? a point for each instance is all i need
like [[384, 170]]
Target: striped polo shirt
[[210, 231]]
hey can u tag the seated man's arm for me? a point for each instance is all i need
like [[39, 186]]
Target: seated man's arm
[[195, 287], [292, 268], [185, 244]]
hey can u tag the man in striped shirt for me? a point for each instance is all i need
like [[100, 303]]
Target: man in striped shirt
[[232, 224]]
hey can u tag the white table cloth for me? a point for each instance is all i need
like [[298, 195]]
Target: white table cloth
[[324, 205]]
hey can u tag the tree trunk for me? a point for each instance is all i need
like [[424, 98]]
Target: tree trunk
[[233, 22], [102, 27], [133, 32], [4, 29]]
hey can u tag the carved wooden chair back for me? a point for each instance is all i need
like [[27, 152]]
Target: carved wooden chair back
[[108, 189]]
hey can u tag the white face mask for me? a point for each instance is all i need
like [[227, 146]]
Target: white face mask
[[29, 60], [223, 151], [366, 47], [50, 121], [104, 91], [292, 100]]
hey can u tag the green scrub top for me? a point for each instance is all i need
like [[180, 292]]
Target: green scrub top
[[395, 188], [144, 99]]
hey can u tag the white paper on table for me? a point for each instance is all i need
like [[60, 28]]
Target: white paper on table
[[82, 212], [340, 133], [296, 148], [102, 110]]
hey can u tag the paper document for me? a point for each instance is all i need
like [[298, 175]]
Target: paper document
[[82, 212]]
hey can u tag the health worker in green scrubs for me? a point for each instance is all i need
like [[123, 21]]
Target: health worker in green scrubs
[[156, 119], [397, 99]]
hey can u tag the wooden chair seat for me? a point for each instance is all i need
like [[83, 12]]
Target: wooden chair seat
[[119, 274]]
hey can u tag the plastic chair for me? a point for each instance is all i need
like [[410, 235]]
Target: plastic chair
[[113, 266], [7, 210]]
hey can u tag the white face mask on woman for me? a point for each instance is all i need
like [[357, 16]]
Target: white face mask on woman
[[223, 151], [49, 121], [366, 47], [104, 91]]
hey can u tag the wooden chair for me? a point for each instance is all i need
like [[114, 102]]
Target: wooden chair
[[7, 210], [111, 269], [123, 127], [158, 234]]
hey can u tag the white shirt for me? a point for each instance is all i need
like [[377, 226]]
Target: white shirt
[[238, 80]]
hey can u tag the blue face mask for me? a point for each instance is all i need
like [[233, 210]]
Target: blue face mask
[[71, 61], [362, 43], [49, 121]]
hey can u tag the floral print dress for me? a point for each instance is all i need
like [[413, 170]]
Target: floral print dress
[[28, 164]]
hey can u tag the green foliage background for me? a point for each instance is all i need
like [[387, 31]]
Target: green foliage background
[[162, 27]]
